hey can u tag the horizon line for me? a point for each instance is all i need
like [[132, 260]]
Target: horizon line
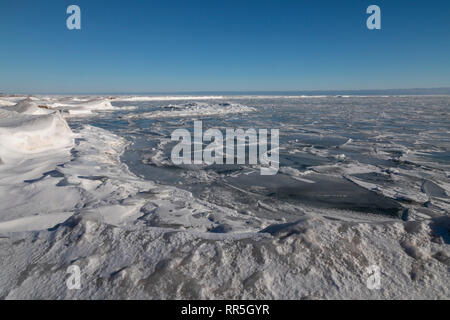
[[412, 91]]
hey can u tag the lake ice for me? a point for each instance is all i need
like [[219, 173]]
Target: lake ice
[[88, 180]]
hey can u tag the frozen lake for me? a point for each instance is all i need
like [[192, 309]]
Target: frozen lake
[[370, 155], [89, 181]]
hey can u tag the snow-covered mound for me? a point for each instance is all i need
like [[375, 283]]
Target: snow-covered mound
[[28, 106], [45, 105], [6, 103], [312, 258], [24, 134]]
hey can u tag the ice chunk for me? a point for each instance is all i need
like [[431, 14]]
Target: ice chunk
[[22, 134], [27, 106]]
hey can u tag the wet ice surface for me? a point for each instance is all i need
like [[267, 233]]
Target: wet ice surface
[[362, 181], [372, 155]]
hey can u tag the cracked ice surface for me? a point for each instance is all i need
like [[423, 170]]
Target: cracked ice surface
[[88, 180]]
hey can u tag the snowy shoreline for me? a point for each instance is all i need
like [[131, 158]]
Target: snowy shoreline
[[72, 200]]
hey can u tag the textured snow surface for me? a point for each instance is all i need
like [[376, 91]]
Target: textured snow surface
[[314, 258], [349, 195], [28, 106]]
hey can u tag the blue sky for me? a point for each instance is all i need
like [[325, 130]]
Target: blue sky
[[218, 45]]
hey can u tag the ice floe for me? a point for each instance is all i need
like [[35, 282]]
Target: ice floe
[[194, 109], [163, 98]]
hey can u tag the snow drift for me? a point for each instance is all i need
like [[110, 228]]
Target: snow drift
[[28, 106], [24, 134], [83, 107]]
